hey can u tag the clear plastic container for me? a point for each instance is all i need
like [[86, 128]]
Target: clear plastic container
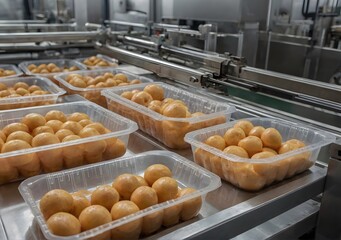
[[17, 71], [61, 63], [94, 94], [34, 100], [255, 174], [112, 62], [55, 157], [170, 131], [185, 172]]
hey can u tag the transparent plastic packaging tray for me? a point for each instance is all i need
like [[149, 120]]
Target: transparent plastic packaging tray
[[94, 94], [34, 100], [14, 68], [170, 131], [255, 174], [112, 62], [49, 158], [184, 171], [61, 63]]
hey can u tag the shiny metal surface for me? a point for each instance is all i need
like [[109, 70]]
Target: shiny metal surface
[[295, 222], [160, 67], [292, 83], [50, 36], [329, 221]]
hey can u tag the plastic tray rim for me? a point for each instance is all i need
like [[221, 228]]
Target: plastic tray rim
[[113, 96], [60, 78], [132, 128], [25, 192], [190, 138]]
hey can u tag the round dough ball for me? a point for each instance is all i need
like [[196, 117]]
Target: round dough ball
[[251, 144], [33, 120], [291, 145], [14, 127], [122, 77], [238, 151], [73, 126], [156, 91], [55, 115], [43, 139], [20, 135], [85, 122], [54, 201], [54, 124], [233, 135], [144, 197], [79, 204], [62, 133], [73, 155], [3, 87], [171, 215], [174, 110], [216, 141], [34, 88], [16, 145], [262, 155], [271, 138], [257, 131], [78, 82], [142, 98], [245, 125], [94, 216], [135, 81], [98, 126], [20, 85], [2, 136], [156, 171], [93, 150], [42, 129], [77, 116], [115, 148], [63, 224], [190, 208], [125, 185], [142, 181], [51, 160], [128, 95], [130, 230], [32, 168], [105, 196], [166, 188], [265, 149], [155, 107], [22, 91]]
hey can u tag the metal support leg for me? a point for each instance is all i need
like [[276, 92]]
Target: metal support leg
[[329, 221]]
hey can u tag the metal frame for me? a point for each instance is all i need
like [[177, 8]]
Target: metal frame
[[329, 221]]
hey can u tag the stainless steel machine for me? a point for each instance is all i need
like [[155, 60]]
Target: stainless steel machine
[[282, 211]]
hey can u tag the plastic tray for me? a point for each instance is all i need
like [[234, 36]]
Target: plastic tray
[[170, 131], [59, 62], [185, 172], [53, 154], [30, 101], [17, 71], [94, 94], [255, 174], [112, 62]]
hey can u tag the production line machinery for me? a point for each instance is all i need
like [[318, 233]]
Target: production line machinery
[[285, 210]]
